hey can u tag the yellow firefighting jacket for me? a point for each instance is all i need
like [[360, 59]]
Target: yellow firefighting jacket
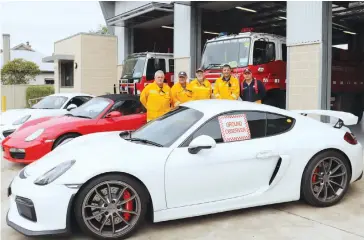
[[180, 95], [227, 89], [200, 90]]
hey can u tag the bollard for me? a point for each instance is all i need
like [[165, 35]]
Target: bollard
[[3, 103]]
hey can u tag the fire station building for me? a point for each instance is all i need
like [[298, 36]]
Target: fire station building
[[309, 31]]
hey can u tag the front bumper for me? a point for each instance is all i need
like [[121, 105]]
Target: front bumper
[[51, 208], [34, 150]]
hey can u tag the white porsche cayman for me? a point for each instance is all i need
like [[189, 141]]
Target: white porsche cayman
[[203, 157]]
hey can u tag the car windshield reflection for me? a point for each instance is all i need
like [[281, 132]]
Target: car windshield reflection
[[50, 102], [91, 109], [165, 130]]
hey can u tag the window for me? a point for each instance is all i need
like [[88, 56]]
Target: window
[[263, 52], [284, 52], [256, 122], [277, 124], [127, 107], [167, 129], [50, 102], [153, 65], [78, 101], [171, 65], [133, 68], [66, 70]]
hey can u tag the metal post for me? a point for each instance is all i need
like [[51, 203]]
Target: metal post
[[3, 104]]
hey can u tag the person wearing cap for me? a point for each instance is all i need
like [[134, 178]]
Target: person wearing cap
[[252, 90], [181, 92], [200, 87], [156, 97], [227, 86]]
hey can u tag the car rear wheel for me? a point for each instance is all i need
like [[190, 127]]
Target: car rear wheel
[[111, 207], [326, 179]]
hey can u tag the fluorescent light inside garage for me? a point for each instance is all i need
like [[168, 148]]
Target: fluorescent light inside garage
[[167, 27], [213, 33], [282, 17], [348, 32], [341, 46], [246, 9]]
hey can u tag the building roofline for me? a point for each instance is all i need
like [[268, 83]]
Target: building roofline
[[84, 33]]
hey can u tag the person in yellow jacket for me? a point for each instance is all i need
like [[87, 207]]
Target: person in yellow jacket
[[227, 86], [180, 91], [200, 87], [156, 97]]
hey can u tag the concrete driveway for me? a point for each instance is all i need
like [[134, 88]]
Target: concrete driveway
[[282, 221]]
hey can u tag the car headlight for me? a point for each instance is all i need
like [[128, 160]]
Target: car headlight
[[54, 173], [22, 120], [34, 135]]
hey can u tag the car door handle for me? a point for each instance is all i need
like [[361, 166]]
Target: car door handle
[[266, 154]]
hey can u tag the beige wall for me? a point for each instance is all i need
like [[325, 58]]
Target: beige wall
[[99, 64], [304, 77], [69, 46], [15, 95]]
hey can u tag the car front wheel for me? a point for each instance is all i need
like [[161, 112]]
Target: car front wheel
[[111, 206], [326, 179]]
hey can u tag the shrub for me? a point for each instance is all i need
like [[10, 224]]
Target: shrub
[[38, 92]]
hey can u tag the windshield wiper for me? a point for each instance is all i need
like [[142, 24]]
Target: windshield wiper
[[144, 141], [69, 115], [80, 116], [212, 65]]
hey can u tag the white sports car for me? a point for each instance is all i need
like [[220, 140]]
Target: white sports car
[[52, 105], [203, 157]]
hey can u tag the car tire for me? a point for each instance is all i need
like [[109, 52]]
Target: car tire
[[109, 216], [64, 138], [320, 178]]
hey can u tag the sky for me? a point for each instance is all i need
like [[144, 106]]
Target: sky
[[43, 23]]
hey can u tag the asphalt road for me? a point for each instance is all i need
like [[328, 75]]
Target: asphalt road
[[282, 221]]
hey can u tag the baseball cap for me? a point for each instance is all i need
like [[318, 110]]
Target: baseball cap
[[247, 70], [182, 74], [199, 70]]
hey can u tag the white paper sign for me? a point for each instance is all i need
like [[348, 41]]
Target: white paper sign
[[234, 127]]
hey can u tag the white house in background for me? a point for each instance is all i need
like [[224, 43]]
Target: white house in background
[[26, 52]]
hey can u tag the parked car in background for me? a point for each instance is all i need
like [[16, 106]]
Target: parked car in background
[[38, 137], [52, 105], [200, 158]]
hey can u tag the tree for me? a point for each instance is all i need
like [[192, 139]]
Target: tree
[[19, 71], [103, 30]]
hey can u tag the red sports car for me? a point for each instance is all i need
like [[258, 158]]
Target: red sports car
[[115, 112]]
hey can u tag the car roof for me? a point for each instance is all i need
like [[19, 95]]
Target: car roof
[[70, 95], [213, 107], [120, 97]]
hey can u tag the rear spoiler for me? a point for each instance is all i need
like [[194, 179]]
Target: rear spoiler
[[344, 118]]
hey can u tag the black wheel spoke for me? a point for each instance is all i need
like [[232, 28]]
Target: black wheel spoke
[[127, 200], [109, 191], [332, 188], [100, 195], [338, 175], [95, 216], [336, 168], [122, 219], [325, 192], [321, 187]]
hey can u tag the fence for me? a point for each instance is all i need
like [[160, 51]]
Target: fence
[[15, 95]]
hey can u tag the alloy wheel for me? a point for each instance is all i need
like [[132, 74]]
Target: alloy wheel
[[111, 209], [329, 179]]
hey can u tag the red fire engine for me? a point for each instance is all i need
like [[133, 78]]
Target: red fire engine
[[139, 69], [266, 56]]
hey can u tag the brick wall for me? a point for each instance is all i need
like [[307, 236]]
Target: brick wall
[[304, 77]]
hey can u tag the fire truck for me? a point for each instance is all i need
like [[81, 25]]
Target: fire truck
[[139, 69], [266, 56]]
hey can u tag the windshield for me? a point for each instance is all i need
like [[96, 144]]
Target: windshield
[[92, 108], [50, 102], [234, 52], [133, 67], [166, 129]]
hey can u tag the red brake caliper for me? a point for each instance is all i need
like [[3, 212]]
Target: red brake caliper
[[314, 177], [128, 206]]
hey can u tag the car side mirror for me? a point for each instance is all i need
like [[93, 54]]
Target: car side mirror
[[113, 114], [71, 106], [201, 142]]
